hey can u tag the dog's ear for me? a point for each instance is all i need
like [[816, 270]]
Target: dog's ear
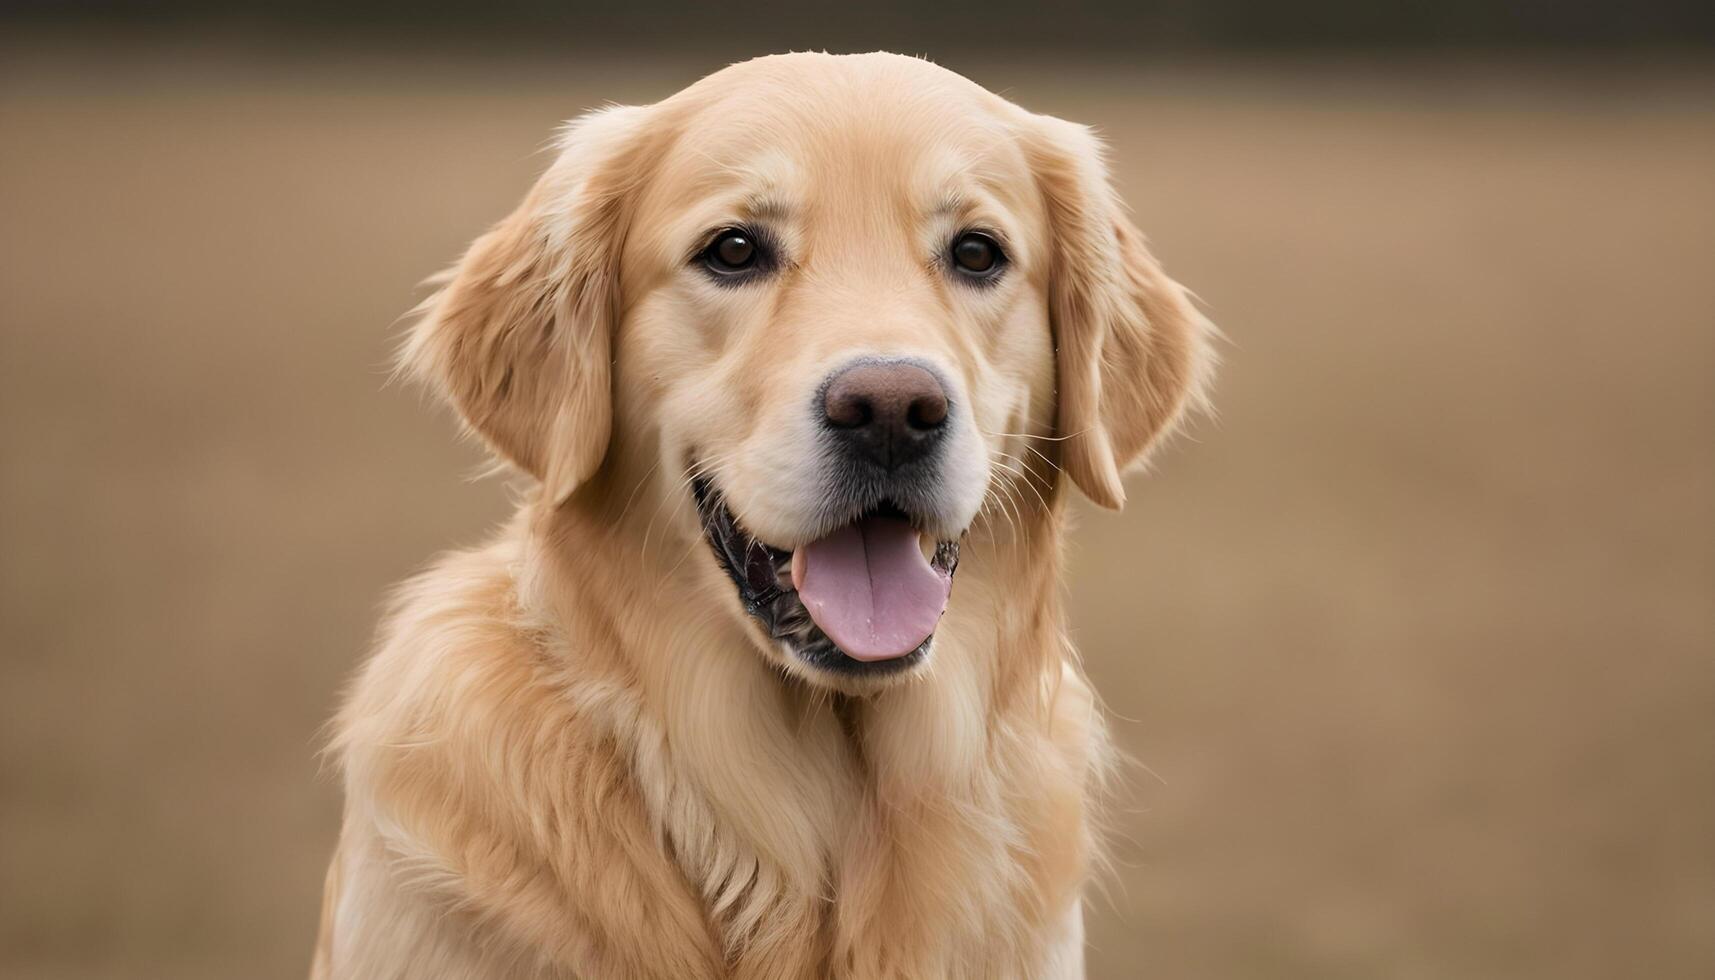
[[518, 338], [1131, 350]]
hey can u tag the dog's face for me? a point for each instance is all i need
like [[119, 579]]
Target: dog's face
[[838, 311], [838, 302]]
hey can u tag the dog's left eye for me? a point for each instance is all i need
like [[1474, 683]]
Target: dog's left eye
[[733, 252]]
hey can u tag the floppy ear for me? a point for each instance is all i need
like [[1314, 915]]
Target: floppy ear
[[1131, 350], [519, 337]]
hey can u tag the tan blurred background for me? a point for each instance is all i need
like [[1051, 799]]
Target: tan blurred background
[[1417, 642]]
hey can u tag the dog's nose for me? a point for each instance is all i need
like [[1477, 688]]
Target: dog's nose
[[889, 412]]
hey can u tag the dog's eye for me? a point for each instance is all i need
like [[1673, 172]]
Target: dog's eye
[[733, 251], [977, 256]]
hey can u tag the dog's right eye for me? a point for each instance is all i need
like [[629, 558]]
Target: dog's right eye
[[733, 252]]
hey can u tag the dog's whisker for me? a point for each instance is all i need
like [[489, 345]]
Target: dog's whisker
[[1028, 435], [1024, 474], [990, 496], [1009, 507], [1039, 455]]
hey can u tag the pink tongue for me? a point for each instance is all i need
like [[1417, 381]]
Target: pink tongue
[[870, 589]]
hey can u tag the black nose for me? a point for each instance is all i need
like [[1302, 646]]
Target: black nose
[[888, 412]]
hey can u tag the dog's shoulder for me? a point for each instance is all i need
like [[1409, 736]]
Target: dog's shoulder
[[485, 769], [454, 630], [467, 684]]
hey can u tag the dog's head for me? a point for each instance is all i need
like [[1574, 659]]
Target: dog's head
[[839, 304]]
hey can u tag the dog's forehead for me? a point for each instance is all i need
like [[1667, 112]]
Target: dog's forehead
[[847, 123]]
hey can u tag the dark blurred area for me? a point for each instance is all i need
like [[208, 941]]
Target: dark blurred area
[[1113, 28], [1414, 644]]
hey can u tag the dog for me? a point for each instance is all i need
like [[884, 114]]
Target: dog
[[769, 675]]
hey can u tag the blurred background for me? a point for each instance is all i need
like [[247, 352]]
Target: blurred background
[[1415, 644]]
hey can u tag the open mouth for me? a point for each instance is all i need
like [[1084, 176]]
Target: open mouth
[[862, 600]]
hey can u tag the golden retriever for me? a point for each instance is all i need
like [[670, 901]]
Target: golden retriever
[[769, 674]]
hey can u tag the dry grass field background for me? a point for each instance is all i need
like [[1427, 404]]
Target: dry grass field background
[[1417, 641]]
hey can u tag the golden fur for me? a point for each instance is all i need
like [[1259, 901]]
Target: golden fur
[[573, 754]]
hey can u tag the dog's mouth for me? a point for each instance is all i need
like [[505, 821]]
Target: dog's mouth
[[863, 599]]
